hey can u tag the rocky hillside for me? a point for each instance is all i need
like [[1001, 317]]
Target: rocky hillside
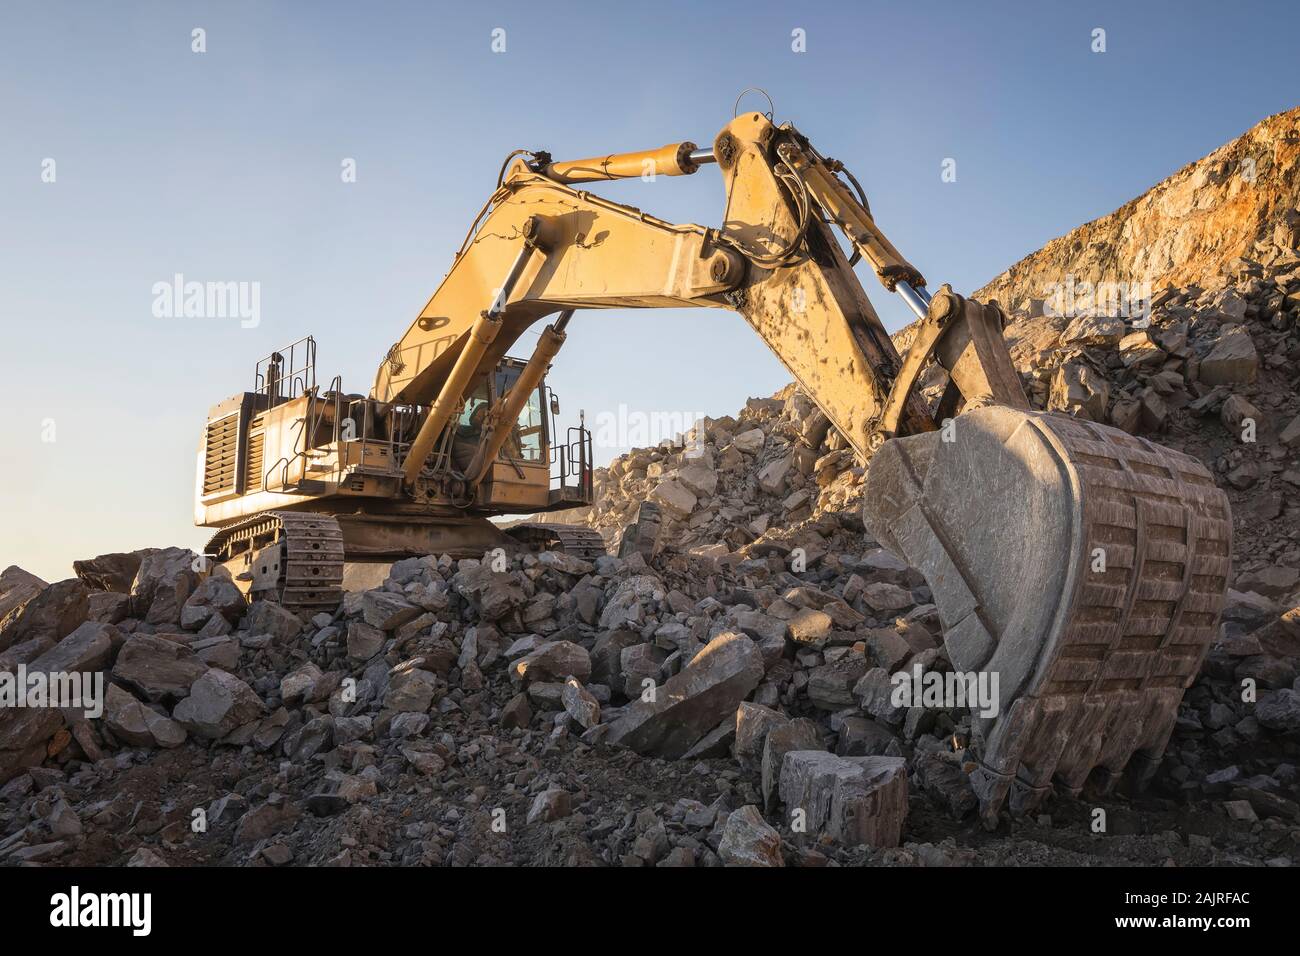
[[1240, 200]]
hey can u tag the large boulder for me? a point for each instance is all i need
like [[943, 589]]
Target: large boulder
[[17, 587], [111, 572], [163, 584], [781, 739], [86, 650], [692, 702], [218, 703], [26, 730], [108, 607], [553, 661], [501, 595], [137, 725], [156, 668], [674, 497], [53, 612], [1233, 360], [749, 840], [267, 617], [24, 733], [387, 611], [217, 594], [853, 800], [699, 478], [753, 723]]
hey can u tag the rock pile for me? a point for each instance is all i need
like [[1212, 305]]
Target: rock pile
[[451, 669], [689, 710]]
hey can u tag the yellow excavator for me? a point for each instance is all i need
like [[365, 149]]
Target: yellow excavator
[[1085, 566]]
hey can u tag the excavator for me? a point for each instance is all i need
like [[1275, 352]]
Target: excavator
[[1085, 566]]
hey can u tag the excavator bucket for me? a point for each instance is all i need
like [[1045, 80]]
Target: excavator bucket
[[1082, 569]]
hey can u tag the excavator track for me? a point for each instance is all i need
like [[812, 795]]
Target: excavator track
[[1085, 567], [584, 543], [294, 558]]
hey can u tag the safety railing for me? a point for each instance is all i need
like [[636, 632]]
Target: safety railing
[[571, 472], [286, 373]]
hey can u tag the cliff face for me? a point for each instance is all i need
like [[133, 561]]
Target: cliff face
[[1240, 200]]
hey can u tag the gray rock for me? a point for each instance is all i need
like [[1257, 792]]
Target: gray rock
[[1233, 360], [580, 704], [364, 640], [386, 611], [863, 737], [157, 668], [163, 584], [218, 702], [853, 800], [1273, 581], [108, 607], [553, 661], [798, 734], [830, 687], [606, 655], [300, 684], [413, 691], [753, 723], [111, 572], [748, 840], [217, 594], [267, 617], [694, 701], [17, 587], [85, 650], [138, 725], [502, 596], [53, 612], [883, 596], [875, 693], [1279, 710]]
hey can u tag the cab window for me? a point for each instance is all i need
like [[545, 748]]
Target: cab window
[[524, 443]]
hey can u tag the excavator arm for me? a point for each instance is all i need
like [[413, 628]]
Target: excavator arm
[[1082, 566], [542, 246]]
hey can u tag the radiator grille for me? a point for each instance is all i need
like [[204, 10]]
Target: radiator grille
[[220, 458], [254, 462]]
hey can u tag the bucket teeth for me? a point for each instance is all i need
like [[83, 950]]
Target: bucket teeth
[[1084, 567]]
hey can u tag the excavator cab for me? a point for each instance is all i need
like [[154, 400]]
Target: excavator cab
[[533, 470]]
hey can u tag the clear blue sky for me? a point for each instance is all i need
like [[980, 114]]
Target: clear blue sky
[[226, 166]]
